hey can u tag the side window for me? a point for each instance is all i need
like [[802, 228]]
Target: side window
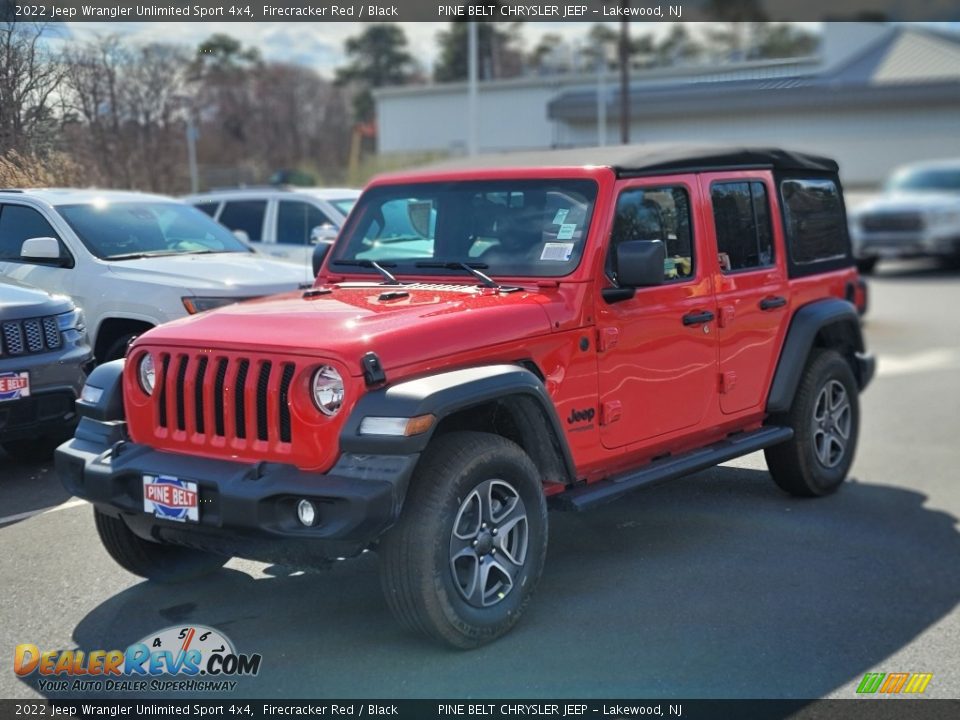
[[814, 221], [663, 214], [742, 218], [295, 220], [19, 223], [210, 208], [245, 215]]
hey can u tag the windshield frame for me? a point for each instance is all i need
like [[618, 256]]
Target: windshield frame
[[512, 179], [152, 204]]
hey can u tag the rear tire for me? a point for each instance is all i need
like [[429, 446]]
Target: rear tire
[[153, 561], [825, 417], [468, 550]]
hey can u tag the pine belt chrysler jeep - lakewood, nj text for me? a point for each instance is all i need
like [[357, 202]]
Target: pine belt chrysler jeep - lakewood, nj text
[[479, 344]]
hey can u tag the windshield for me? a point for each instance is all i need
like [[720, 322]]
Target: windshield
[[516, 228], [345, 205], [115, 231], [940, 179]]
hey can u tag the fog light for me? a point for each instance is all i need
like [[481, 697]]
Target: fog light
[[306, 513]]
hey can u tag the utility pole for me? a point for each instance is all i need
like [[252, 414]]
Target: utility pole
[[472, 52], [192, 135], [601, 95], [624, 77]]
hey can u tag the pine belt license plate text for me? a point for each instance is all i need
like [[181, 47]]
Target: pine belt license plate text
[[170, 498], [14, 385]]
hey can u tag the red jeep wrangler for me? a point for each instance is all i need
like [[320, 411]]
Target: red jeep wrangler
[[480, 344]]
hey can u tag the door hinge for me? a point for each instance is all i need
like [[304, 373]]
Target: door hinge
[[607, 338], [610, 411], [728, 380]]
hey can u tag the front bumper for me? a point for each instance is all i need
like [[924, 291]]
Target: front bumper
[[246, 510], [904, 245]]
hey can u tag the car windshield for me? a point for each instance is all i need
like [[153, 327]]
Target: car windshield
[[344, 205], [515, 228], [939, 179], [127, 230]]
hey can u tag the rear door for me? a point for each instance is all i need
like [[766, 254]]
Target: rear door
[[753, 296]]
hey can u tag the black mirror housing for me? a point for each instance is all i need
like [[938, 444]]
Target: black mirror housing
[[640, 263]]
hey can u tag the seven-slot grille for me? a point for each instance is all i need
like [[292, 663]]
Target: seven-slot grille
[[892, 222], [27, 337], [230, 399]]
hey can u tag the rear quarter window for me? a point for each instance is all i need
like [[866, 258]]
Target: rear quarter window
[[814, 220]]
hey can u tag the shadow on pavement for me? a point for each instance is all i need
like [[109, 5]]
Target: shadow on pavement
[[713, 586], [27, 486]]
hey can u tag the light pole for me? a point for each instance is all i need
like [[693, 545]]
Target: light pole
[[192, 135], [472, 130]]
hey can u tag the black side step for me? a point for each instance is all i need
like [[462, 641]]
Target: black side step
[[586, 496]]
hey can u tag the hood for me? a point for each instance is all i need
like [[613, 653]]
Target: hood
[[19, 301], [223, 273], [910, 202], [428, 322]]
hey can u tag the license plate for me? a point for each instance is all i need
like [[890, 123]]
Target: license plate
[[170, 498], [14, 385]]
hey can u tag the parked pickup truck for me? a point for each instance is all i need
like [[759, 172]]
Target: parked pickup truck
[[480, 344], [130, 260]]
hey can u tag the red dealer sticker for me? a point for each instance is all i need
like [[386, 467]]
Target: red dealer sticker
[[14, 385], [170, 498]]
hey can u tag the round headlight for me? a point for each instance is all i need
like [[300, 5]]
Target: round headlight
[[148, 373], [327, 390]]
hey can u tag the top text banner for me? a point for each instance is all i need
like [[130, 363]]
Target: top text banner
[[433, 11]]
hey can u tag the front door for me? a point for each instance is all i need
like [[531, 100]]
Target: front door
[[751, 285], [657, 351]]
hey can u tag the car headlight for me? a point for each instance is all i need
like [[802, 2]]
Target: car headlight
[[147, 373], [196, 305], [327, 388], [72, 320]]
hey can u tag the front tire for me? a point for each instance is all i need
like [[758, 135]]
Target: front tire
[[150, 560], [825, 417], [464, 558]]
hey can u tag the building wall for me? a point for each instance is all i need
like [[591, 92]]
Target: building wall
[[867, 144]]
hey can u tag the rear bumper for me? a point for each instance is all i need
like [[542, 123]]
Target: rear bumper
[[247, 510]]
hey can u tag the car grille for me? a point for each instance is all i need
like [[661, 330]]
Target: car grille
[[217, 400], [28, 337], [892, 222]]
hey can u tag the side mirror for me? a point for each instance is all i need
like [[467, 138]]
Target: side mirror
[[241, 235], [40, 248], [325, 233], [639, 263], [319, 255]]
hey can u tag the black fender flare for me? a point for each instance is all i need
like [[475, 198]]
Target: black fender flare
[[841, 319], [444, 394], [108, 378]]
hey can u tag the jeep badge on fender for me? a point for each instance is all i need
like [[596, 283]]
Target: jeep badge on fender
[[480, 344]]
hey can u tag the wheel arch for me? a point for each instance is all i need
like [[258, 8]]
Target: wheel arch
[[111, 329], [830, 323], [506, 400]]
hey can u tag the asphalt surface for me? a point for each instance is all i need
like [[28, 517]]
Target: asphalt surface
[[717, 585]]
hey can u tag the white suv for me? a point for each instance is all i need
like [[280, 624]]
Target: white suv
[[280, 221], [130, 260]]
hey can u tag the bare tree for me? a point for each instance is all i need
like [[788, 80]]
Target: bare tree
[[30, 76]]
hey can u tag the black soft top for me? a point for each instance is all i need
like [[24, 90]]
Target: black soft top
[[627, 160]]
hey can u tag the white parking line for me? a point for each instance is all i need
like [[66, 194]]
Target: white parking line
[[925, 361], [29, 514]]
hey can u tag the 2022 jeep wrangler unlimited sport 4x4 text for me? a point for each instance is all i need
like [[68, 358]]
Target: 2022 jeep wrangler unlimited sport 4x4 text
[[478, 344]]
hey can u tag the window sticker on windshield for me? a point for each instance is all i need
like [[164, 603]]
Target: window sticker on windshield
[[557, 251], [566, 231], [560, 216]]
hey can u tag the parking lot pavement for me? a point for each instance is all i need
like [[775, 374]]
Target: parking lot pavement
[[716, 585]]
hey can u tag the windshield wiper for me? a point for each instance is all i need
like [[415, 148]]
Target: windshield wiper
[[380, 268], [468, 267], [138, 255]]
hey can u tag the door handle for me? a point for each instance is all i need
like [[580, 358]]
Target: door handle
[[772, 303], [698, 318]]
